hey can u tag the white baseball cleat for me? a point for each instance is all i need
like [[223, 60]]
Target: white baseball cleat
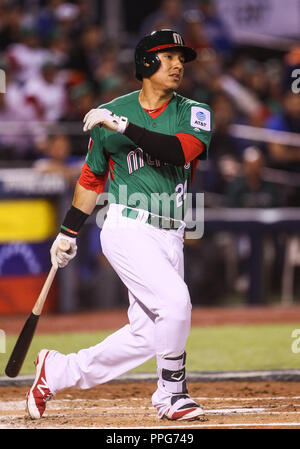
[[183, 408], [39, 393]]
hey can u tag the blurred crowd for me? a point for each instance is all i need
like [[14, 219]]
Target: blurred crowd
[[61, 59], [60, 62]]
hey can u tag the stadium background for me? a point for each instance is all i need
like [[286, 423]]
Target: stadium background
[[61, 59]]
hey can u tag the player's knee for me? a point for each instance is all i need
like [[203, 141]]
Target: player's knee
[[179, 306], [182, 300], [182, 312]]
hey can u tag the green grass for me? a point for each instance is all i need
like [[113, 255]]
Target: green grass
[[215, 348]]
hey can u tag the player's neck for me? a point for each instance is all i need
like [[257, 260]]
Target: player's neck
[[151, 98]]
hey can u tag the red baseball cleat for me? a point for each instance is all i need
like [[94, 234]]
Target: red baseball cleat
[[39, 393], [183, 408]]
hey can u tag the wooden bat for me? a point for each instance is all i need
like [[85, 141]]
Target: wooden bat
[[24, 340]]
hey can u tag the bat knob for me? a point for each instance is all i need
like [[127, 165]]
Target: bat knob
[[64, 245]]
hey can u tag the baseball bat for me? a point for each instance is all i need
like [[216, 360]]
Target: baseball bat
[[23, 342]]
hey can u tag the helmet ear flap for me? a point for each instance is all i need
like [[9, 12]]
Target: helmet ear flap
[[150, 59], [147, 65]]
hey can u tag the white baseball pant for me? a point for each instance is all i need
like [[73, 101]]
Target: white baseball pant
[[150, 263]]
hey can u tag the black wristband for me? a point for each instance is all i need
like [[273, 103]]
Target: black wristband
[[158, 145], [73, 221]]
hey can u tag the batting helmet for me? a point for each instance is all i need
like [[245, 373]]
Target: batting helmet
[[146, 59]]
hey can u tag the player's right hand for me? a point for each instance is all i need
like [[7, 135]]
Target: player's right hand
[[107, 119], [59, 257]]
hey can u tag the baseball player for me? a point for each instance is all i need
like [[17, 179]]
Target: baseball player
[[148, 143]]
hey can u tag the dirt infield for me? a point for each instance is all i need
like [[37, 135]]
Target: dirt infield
[[128, 405], [117, 405]]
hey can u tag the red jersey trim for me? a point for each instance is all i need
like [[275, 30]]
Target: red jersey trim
[[91, 143], [111, 164], [191, 146], [156, 112], [91, 181], [195, 162]]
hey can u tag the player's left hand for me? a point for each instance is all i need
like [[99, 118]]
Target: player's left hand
[[105, 118], [59, 257]]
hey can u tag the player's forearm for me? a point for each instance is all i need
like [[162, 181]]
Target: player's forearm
[[84, 199], [84, 202], [160, 146]]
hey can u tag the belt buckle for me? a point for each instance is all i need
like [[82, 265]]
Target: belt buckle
[[163, 222], [169, 222]]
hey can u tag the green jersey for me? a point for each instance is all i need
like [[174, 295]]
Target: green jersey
[[137, 180]]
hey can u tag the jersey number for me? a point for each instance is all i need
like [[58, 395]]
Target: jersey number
[[181, 190]]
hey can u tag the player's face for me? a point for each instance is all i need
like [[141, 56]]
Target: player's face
[[170, 72]]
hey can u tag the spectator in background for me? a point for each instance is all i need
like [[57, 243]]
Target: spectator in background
[[12, 146], [194, 34], [264, 80], [285, 156], [59, 46], [11, 17], [247, 102], [168, 15], [16, 142], [86, 56], [249, 189], [110, 88], [44, 97], [258, 82], [70, 18], [225, 152], [67, 17], [58, 159], [27, 57], [107, 68], [205, 74], [82, 98], [45, 20], [215, 30]]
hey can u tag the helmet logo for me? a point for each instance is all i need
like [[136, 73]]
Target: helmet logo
[[177, 39]]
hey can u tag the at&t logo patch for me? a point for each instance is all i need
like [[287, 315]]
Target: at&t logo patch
[[200, 118]]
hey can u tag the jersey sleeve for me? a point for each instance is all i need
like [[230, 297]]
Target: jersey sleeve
[[196, 119], [91, 181], [96, 157]]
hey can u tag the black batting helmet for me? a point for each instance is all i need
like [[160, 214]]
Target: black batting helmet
[[146, 59]]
